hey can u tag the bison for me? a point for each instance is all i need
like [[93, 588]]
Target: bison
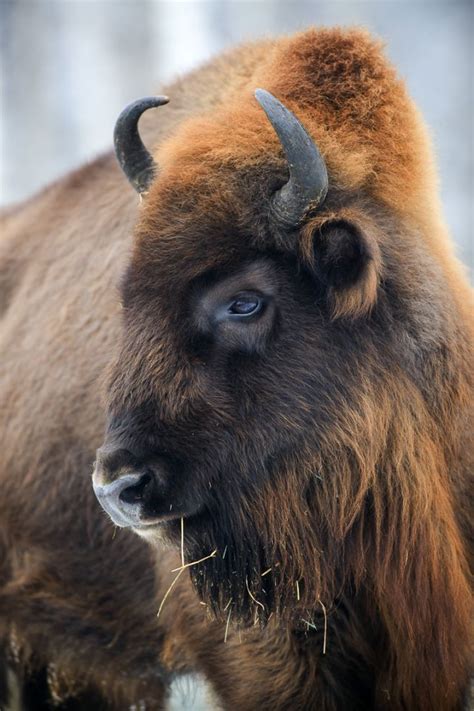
[[287, 390]]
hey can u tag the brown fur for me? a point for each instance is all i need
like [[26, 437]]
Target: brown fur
[[358, 504]]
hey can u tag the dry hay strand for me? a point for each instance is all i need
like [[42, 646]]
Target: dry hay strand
[[228, 621], [180, 570], [253, 598], [325, 634], [168, 592], [195, 562]]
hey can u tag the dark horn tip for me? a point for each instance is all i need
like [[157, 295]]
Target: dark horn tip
[[136, 162], [308, 178]]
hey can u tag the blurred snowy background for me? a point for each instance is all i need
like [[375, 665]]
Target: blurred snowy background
[[69, 66]]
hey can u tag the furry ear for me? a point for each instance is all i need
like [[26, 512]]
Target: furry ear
[[347, 261]]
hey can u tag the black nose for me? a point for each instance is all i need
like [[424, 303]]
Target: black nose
[[126, 498], [129, 488]]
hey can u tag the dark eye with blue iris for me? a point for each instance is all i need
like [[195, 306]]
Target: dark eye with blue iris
[[245, 305]]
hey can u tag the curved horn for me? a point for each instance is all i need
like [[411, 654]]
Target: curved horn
[[308, 183], [135, 161]]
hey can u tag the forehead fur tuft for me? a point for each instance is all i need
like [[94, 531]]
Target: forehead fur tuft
[[348, 96]]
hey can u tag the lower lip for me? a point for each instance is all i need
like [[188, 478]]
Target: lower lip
[[164, 529], [155, 523]]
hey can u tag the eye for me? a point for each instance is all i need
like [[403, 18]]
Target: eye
[[245, 305]]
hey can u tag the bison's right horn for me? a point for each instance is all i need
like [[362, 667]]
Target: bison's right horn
[[308, 182], [136, 162]]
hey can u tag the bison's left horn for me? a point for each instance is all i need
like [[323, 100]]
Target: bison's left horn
[[308, 182], [135, 161]]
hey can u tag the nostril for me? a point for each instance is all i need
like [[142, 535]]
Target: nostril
[[137, 492]]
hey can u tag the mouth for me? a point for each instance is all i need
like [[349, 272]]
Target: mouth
[[139, 516], [158, 522], [184, 532]]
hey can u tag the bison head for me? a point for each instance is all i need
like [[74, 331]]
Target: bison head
[[282, 331]]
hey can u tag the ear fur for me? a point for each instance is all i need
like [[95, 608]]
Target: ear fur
[[346, 259]]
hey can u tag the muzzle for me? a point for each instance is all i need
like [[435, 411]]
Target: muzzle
[[133, 493]]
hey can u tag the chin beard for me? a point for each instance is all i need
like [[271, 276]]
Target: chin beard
[[264, 552], [246, 575], [238, 577]]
